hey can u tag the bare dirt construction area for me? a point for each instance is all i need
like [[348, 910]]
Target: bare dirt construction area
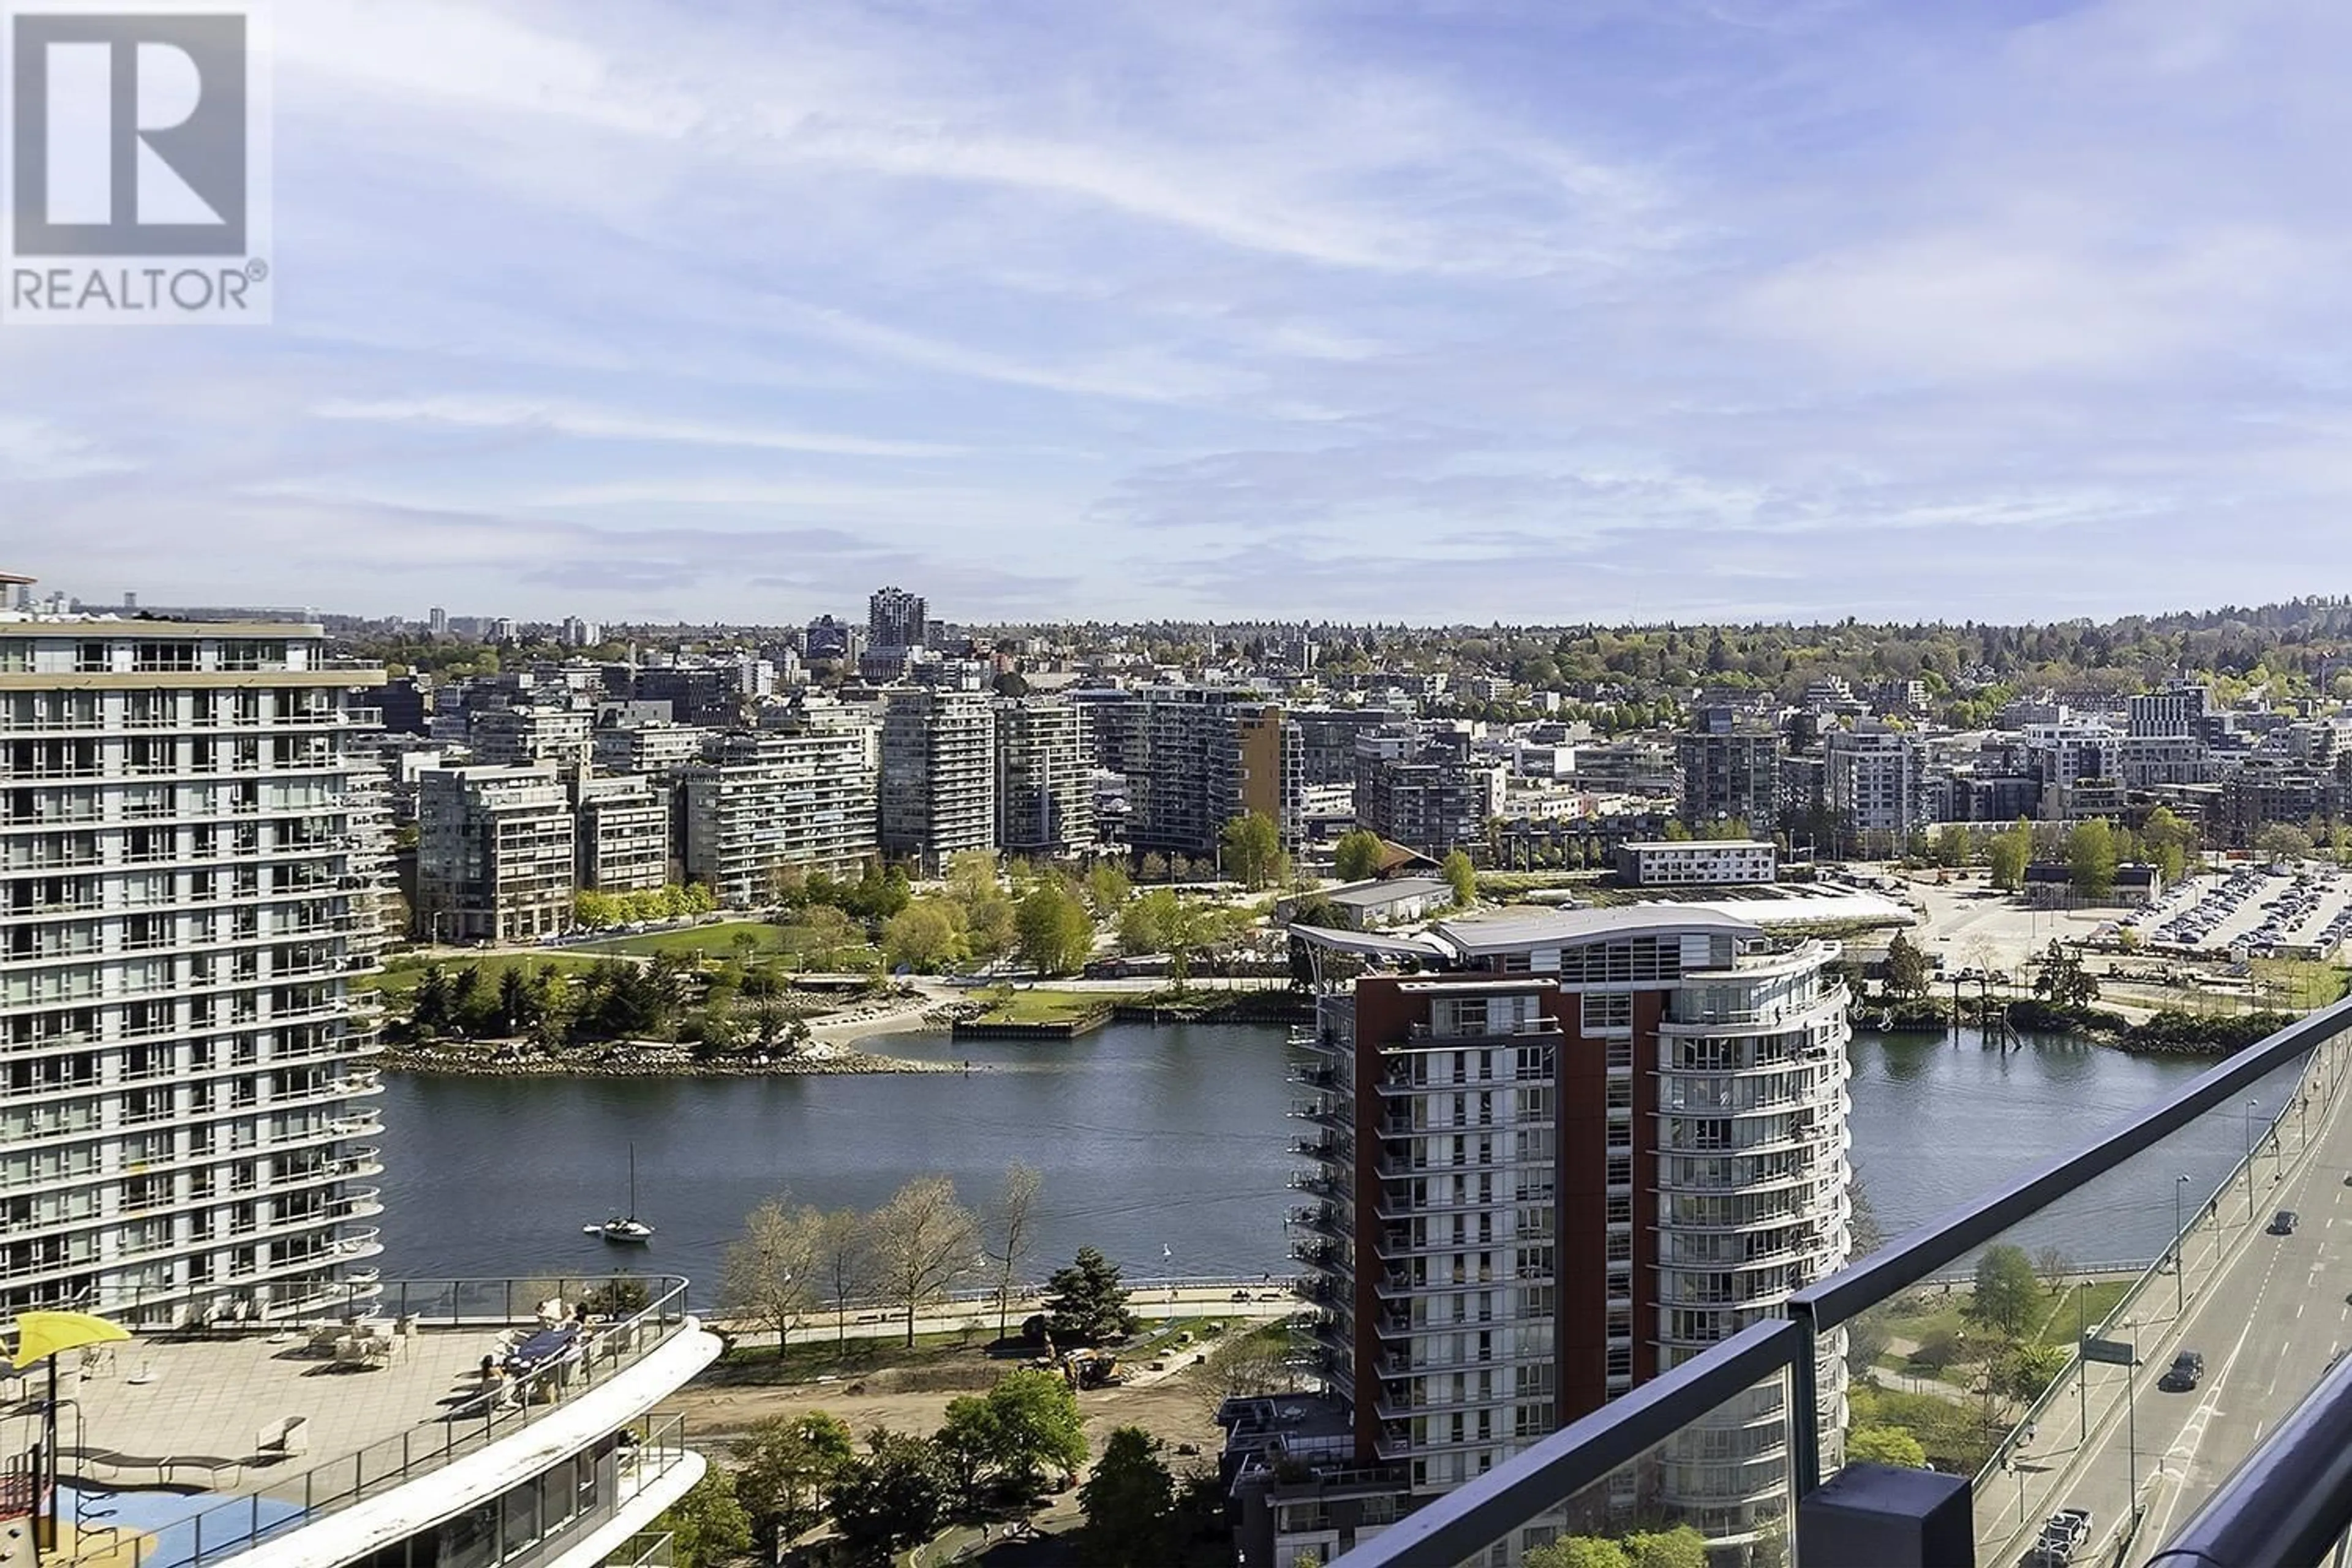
[[1171, 1408]]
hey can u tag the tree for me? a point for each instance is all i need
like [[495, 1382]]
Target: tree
[[1107, 889], [1462, 877], [1885, 1446], [1128, 1504], [2282, 841], [967, 1441], [891, 1499], [1154, 868], [593, 910], [926, 936], [1150, 923], [2169, 842], [785, 1465], [2054, 1267], [2006, 1290], [1906, 967], [770, 1276], [2006, 854], [1086, 1301], [2090, 857], [923, 1241], [1056, 935], [1681, 1547], [1028, 1422], [1953, 845], [708, 1525], [430, 1011], [1253, 850], [1577, 1551], [1246, 1366], [1010, 1223], [514, 998], [2063, 980], [844, 1263], [2026, 1371], [1357, 856]]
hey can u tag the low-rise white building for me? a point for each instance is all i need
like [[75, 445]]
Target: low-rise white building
[[1698, 862]]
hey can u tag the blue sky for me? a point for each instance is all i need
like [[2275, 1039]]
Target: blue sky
[[1419, 309]]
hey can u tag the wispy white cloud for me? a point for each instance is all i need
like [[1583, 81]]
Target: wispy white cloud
[[580, 422], [35, 449]]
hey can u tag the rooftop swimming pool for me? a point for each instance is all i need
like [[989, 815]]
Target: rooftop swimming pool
[[170, 1519]]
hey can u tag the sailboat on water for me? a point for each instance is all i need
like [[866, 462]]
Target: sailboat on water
[[628, 1227]]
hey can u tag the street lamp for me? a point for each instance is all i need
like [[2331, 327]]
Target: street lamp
[[2252, 1106], [2180, 1253]]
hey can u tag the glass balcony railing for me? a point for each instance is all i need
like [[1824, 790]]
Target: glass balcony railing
[[2183, 1235]]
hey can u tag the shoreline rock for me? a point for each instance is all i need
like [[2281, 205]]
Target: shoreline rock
[[432, 1063]]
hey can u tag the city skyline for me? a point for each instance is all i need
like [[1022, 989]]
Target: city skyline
[[1442, 313]]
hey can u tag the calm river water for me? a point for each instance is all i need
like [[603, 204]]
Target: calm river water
[[1149, 1138]]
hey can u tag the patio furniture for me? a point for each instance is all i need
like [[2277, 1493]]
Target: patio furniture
[[543, 1348], [288, 1436]]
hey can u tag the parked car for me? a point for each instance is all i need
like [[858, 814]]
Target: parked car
[[2187, 1369], [2282, 1223]]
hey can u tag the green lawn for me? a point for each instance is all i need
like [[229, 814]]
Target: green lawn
[[400, 978], [2097, 1298], [714, 940], [1040, 1006], [1930, 1310], [754, 1362]]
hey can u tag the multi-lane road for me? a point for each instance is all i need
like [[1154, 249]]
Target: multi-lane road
[[2268, 1312]]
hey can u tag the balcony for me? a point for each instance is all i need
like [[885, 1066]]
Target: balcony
[[1711, 1432]]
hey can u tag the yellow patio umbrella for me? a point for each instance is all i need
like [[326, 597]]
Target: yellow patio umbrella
[[45, 1336], [40, 1335]]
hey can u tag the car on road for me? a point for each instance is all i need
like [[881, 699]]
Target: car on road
[[2282, 1223], [2066, 1534], [2187, 1369]]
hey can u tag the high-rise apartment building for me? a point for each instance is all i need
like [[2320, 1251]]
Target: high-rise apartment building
[[770, 800], [1554, 1155], [495, 856], [938, 774], [1872, 782], [522, 735], [1199, 757], [1425, 791], [647, 747], [1731, 775], [1045, 778], [2173, 713], [1327, 738], [838, 641], [897, 619], [621, 833], [190, 861]]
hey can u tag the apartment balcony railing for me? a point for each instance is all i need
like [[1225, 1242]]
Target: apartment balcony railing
[[2290, 1502]]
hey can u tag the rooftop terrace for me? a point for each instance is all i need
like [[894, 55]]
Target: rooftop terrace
[[276, 1424]]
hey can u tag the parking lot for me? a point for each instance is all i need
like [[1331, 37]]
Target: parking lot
[[2268, 911]]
